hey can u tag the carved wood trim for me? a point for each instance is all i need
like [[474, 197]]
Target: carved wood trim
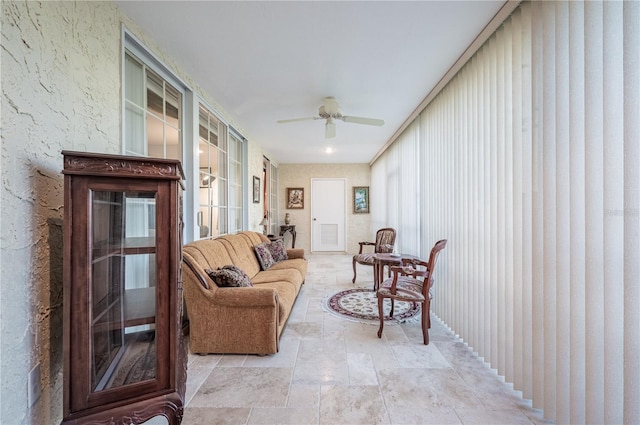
[[170, 406], [121, 166]]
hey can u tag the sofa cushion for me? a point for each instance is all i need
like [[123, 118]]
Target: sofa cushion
[[240, 249], [297, 264], [264, 256], [278, 251], [229, 276], [278, 275], [209, 253]]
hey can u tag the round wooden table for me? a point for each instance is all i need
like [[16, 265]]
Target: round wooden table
[[381, 260]]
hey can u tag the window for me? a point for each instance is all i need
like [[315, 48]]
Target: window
[[212, 151], [156, 117], [221, 187], [153, 112]]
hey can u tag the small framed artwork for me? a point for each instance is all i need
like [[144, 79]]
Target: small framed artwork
[[295, 198], [206, 179], [361, 199], [256, 189]]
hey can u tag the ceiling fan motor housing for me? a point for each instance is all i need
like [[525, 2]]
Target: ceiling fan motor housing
[[330, 108]]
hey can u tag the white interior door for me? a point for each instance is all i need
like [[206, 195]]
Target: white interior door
[[328, 214]]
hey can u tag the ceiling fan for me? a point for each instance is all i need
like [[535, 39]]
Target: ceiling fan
[[330, 111]]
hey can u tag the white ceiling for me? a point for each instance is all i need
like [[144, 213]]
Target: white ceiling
[[264, 61]]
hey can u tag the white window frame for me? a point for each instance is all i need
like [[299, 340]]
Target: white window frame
[[193, 189], [190, 103], [137, 49]]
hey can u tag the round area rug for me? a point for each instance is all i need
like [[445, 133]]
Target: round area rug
[[361, 305]]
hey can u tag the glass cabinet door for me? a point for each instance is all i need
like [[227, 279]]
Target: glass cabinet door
[[125, 357], [123, 288]]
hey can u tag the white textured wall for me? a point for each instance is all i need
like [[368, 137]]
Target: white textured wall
[[300, 175], [61, 80], [60, 90]]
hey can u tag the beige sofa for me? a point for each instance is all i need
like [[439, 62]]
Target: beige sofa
[[247, 320]]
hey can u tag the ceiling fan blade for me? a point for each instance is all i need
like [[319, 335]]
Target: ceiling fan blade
[[362, 120], [297, 119], [330, 129]]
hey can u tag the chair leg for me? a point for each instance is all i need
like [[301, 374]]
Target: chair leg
[[425, 324], [381, 314], [393, 304], [354, 271]]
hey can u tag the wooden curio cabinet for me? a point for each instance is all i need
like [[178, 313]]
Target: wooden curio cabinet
[[124, 354]]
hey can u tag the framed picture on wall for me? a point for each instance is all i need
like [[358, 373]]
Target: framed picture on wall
[[256, 189], [361, 199], [295, 198]]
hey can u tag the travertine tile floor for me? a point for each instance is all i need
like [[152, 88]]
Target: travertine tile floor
[[334, 371]]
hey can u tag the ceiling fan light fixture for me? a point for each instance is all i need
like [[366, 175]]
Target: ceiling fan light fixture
[[330, 128]]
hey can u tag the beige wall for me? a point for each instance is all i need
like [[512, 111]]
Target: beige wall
[[300, 175]]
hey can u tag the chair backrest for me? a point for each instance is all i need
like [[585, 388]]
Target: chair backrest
[[418, 265], [433, 257], [385, 240]]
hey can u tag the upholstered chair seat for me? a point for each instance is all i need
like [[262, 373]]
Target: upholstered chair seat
[[365, 258]]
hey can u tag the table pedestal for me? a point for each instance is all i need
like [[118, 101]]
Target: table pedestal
[[291, 228]]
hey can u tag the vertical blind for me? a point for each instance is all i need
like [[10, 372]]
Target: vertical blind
[[528, 162], [401, 210]]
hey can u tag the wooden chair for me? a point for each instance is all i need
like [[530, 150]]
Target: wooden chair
[[385, 240], [412, 281]]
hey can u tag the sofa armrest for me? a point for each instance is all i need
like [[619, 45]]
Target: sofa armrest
[[295, 253], [246, 297]]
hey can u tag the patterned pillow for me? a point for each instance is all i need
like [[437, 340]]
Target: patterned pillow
[[278, 251], [239, 271], [264, 255], [229, 277]]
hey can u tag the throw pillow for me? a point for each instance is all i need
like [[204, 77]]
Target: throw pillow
[[278, 251], [245, 277], [264, 255], [228, 277]]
